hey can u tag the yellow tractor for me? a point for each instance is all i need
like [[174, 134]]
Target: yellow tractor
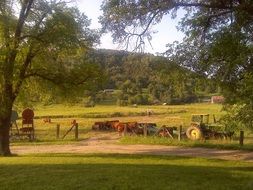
[[200, 128]]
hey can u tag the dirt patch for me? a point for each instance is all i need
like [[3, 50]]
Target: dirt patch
[[107, 143], [98, 138]]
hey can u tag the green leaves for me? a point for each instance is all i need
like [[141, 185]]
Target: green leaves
[[50, 40], [130, 21], [218, 42]]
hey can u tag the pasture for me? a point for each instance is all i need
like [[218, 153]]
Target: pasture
[[109, 171], [170, 115], [64, 114], [120, 171]]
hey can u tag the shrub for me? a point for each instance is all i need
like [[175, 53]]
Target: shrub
[[89, 102]]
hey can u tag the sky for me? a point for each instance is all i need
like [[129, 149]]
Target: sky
[[166, 30]]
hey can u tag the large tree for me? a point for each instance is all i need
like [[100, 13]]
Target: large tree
[[218, 39], [40, 39]]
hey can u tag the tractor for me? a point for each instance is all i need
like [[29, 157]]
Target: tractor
[[200, 128]]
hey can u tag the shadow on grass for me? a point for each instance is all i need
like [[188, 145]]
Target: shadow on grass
[[62, 171], [218, 144]]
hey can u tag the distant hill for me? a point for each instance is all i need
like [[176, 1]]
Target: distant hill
[[144, 78]]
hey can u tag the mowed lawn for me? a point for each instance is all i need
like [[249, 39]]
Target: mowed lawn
[[116, 172]]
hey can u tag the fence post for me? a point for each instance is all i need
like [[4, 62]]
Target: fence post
[[125, 130], [145, 130], [241, 138], [179, 132], [76, 131], [58, 131]]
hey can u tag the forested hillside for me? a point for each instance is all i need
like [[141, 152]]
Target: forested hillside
[[135, 78], [146, 79]]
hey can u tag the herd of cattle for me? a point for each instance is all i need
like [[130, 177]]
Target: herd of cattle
[[134, 128]]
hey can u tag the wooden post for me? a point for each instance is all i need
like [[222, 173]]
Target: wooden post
[[58, 131], [145, 130], [76, 131], [179, 132], [241, 138], [125, 130]]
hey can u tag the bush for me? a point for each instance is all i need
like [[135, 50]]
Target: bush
[[89, 102], [122, 102], [238, 117], [140, 99]]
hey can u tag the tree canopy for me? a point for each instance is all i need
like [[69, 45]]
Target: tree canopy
[[41, 39], [218, 39], [143, 78]]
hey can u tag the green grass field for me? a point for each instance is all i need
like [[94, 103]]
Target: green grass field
[[115, 171], [171, 115], [108, 172], [183, 112], [162, 115], [63, 115], [218, 144]]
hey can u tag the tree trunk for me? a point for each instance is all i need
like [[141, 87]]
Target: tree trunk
[[4, 135], [5, 121]]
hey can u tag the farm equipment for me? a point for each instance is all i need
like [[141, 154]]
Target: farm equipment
[[105, 125], [27, 124], [138, 128], [200, 128], [165, 131], [27, 128], [128, 127], [151, 127], [134, 128]]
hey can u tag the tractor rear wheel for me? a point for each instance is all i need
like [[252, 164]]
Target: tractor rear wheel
[[194, 133]]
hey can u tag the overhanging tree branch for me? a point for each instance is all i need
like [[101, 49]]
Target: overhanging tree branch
[[59, 79], [23, 70], [139, 40], [140, 11], [24, 12]]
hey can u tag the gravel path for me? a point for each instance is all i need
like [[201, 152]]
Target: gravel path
[[107, 144]]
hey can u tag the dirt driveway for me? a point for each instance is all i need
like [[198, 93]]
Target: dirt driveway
[[107, 143]]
